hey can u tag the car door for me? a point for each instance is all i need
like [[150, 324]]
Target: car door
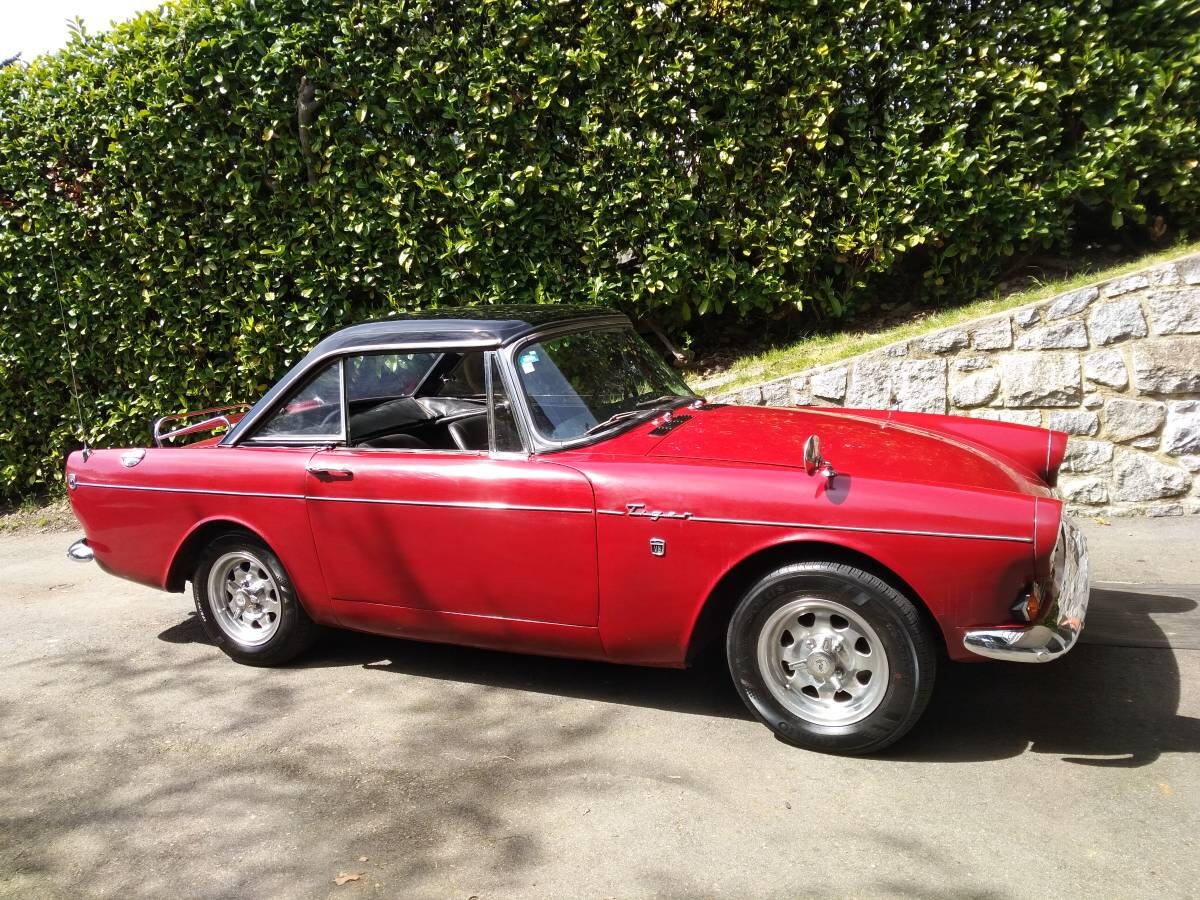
[[462, 525], [455, 532]]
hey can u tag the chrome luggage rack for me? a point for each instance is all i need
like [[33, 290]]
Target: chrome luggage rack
[[216, 417]]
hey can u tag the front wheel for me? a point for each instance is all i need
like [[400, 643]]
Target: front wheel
[[831, 658], [247, 604]]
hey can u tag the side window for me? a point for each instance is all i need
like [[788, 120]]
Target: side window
[[385, 376], [314, 411], [507, 438], [417, 401], [465, 379]]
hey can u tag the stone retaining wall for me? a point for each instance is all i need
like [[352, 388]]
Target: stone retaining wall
[[1116, 365]]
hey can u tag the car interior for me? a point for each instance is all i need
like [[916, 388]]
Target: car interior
[[422, 423]]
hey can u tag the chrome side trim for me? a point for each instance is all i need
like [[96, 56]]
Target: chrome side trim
[[179, 490], [945, 534], [822, 527], [1035, 525], [561, 509], [426, 451], [465, 504], [436, 503]]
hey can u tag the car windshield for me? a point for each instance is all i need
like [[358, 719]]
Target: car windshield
[[588, 382]]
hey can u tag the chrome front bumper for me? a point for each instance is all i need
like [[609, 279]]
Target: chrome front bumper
[[80, 551], [1059, 628]]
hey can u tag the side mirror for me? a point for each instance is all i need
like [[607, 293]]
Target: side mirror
[[812, 454], [814, 462]]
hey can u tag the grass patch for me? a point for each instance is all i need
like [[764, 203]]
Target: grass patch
[[822, 349], [38, 516]]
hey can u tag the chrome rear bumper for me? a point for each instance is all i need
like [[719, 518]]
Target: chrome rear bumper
[[1059, 628], [80, 551]]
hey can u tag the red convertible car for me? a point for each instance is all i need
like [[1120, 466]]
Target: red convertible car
[[537, 479]]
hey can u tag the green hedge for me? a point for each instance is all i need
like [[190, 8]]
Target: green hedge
[[678, 159]]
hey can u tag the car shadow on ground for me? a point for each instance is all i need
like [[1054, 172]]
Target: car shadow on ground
[[1112, 701], [704, 689]]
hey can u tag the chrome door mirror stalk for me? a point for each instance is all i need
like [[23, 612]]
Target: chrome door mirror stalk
[[814, 462]]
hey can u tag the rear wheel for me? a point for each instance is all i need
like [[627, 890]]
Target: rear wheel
[[247, 603], [831, 658]]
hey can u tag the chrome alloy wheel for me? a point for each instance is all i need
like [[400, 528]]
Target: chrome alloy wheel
[[822, 661], [244, 598]]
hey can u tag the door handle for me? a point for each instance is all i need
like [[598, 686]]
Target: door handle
[[326, 474]]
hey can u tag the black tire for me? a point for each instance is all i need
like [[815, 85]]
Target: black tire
[[896, 625], [291, 630]]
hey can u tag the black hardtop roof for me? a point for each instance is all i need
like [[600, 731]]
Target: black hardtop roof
[[467, 326], [454, 328]]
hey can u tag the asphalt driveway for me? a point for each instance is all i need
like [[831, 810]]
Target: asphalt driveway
[[136, 760]]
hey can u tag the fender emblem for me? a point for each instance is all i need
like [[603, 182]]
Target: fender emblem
[[639, 509], [658, 547]]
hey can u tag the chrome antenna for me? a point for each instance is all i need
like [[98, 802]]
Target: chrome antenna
[[62, 310]]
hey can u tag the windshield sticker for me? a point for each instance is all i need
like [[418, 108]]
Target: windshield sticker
[[528, 361]]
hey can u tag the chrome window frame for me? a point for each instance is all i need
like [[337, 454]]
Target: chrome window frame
[[523, 430]]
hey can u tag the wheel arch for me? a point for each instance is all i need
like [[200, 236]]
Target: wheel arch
[[187, 554], [710, 624]]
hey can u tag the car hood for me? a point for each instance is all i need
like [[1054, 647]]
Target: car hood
[[892, 446]]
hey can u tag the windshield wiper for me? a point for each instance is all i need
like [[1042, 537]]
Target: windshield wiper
[[639, 408], [613, 420]]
